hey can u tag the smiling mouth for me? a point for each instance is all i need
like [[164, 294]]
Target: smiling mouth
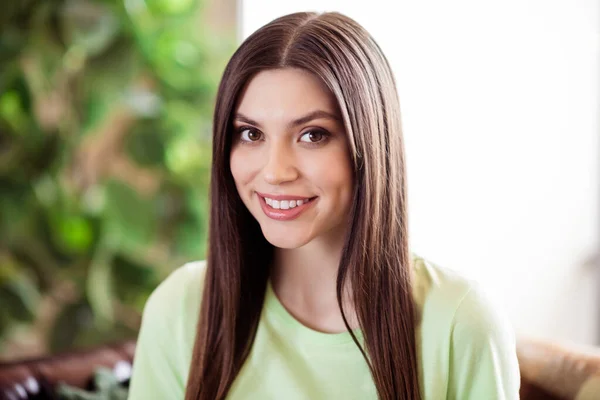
[[284, 210], [286, 204]]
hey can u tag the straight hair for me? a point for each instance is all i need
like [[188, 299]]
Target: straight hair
[[375, 258]]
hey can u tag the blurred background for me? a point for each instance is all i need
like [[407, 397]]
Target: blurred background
[[105, 129], [105, 124]]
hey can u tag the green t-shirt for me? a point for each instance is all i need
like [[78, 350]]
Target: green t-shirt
[[466, 346]]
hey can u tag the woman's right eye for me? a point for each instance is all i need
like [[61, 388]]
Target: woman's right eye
[[249, 135]]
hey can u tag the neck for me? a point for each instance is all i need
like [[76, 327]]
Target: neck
[[304, 280]]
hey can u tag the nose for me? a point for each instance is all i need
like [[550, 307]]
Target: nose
[[280, 165]]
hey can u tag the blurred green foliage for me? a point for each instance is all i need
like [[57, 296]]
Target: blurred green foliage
[[105, 113]]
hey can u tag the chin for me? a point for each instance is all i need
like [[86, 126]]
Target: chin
[[285, 238]]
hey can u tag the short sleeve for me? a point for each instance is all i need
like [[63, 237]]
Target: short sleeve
[[161, 360], [483, 358]]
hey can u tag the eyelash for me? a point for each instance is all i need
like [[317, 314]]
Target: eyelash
[[326, 135]]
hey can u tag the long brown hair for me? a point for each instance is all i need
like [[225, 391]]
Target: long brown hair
[[375, 259]]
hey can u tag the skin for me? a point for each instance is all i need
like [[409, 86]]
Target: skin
[[271, 155]]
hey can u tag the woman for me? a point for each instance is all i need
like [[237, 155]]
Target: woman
[[309, 290]]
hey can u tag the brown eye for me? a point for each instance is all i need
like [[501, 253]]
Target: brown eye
[[249, 135], [313, 137]]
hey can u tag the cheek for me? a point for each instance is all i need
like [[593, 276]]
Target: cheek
[[241, 170], [342, 181], [332, 173]]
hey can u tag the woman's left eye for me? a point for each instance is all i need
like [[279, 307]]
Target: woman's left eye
[[313, 136]]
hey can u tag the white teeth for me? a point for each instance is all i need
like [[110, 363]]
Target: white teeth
[[284, 204]]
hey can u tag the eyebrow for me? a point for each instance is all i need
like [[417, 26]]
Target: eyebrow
[[318, 114]]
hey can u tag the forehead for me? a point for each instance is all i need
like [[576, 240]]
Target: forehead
[[285, 93]]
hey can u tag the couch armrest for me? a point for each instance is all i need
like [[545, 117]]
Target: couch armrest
[[559, 370], [37, 378]]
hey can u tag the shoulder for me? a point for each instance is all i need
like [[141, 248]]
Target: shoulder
[[466, 341], [173, 307], [453, 298], [438, 291], [166, 338], [181, 286]]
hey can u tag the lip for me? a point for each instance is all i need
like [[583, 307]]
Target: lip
[[282, 197], [284, 215]]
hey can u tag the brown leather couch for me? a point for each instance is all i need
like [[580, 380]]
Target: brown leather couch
[[37, 379]]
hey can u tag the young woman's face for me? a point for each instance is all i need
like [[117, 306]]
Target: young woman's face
[[290, 158]]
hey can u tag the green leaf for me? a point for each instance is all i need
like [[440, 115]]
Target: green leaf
[[187, 156], [146, 144], [133, 280], [177, 60], [88, 26], [11, 110], [18, 210], [76, 233], [19, 295], [72, 234], [100, 290], [172, 7], [130, 221]]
